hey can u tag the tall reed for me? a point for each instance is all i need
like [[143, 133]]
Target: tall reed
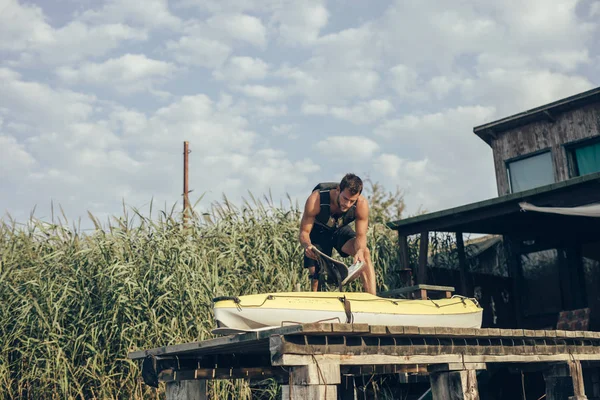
[[73, 303]]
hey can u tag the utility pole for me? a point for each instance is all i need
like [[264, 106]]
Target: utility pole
[[186, 200]]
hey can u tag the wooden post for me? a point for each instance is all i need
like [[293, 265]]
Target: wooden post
[[404, 260], [462, 263], [317, 381], [186, 390], [423, 252], [513, 261], [565, 381], [454, 385], [346, 389]]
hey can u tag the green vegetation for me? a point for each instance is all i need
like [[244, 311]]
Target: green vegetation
[[74, 304]]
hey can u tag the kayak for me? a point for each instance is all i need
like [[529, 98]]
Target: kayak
[[271, 310]]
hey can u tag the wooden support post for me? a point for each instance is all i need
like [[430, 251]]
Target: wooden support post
[[186, 390], [317, 381], [404, 261], [515, 272], [347, 390], [462, 264], [423, 253], [565, 381], [577, 377], [454, 385]]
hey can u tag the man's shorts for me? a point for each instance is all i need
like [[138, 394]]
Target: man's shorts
[[326, 241]]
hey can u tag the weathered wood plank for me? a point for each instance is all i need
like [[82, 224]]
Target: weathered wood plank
[[309, 392], [186, 390], [318, 373], [377, 359], [456, 385]]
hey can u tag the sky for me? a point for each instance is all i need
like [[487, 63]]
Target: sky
[[97, 97]]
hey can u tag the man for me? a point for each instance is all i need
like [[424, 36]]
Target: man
[[327, 212]]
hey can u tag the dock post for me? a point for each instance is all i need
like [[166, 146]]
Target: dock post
[[565, 381], [317, 381], [186, 390], [454, 381]]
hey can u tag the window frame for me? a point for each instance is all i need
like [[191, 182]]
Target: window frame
[[569, 149], [535, 153]]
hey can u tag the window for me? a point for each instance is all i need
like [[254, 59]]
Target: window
[[530, 172], [585, 158]]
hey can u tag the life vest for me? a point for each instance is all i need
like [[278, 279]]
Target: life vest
[[324, 219]]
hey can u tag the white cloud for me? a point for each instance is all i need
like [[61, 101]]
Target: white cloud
[[301, 22], [199, 51], [361, 113], [149, 13], [24, 29], [266, 93], [314, 109], [364, 112], [23, 26], [127, 74], [347, 147], [241, 27], [14, 158], [239, 69], [51, 108], [397, 167]]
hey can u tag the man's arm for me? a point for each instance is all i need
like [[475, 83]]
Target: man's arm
[[361, 224], [311, 210]]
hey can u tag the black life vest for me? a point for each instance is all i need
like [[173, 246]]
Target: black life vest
[[324, 219]]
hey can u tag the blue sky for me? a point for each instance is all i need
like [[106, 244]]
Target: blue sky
[[96, 98]]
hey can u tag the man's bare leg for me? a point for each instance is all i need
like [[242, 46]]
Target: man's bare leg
[[367, 275], [314, 283]]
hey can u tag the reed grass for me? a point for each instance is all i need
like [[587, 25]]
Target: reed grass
[[74, 303]]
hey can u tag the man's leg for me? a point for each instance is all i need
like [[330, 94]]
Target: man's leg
[[367, 275]]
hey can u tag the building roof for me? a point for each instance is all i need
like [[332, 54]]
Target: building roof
[[543, 113], [503, 215]]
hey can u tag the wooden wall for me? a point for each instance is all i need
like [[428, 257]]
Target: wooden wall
[[568, 127]]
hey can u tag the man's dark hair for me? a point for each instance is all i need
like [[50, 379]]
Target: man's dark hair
[[351, 182]]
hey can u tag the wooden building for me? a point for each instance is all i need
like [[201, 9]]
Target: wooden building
[[547, 157]]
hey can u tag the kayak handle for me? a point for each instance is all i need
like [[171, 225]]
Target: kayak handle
[[221, 298]]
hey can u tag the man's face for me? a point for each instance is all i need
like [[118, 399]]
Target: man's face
[[347, 199]]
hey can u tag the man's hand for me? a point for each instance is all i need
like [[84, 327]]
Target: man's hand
[[309, 252], [360, 256]]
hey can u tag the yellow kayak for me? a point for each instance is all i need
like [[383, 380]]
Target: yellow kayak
[[267, 310]]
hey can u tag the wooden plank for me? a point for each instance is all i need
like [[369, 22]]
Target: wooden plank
[[318, 373], [462, 264], [169, 375], [456, 385], [309, 392], [377, 329], [186, 390], [456, 367], [377, 359]]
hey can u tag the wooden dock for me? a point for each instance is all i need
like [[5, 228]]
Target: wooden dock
[[312, 359]]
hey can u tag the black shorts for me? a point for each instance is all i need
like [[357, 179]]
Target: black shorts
[[326, 241]]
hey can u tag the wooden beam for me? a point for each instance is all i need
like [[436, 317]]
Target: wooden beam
[[515, 272], [186, 390], [462, 264], [423, 253], [549, 115], [454, 385], [374, 359]]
